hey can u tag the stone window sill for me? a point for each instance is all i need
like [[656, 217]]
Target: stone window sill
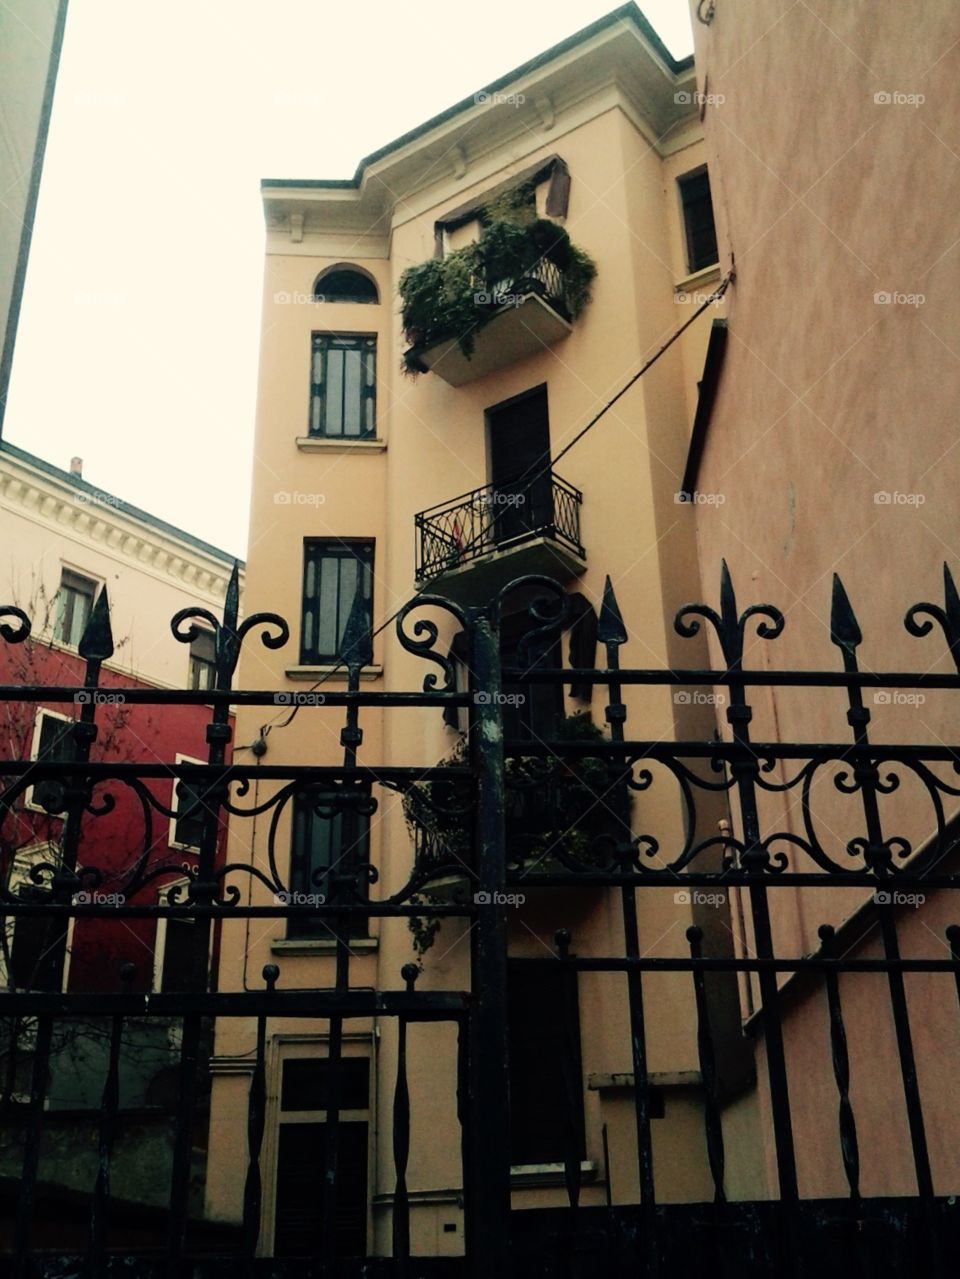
[[321, 945], [324, 444], [549, 1174], [330, 672]]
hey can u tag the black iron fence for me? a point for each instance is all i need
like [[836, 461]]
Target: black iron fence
[[496, 517], [785, 1229]]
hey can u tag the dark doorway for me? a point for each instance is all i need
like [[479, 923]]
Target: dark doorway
[[519, 439]]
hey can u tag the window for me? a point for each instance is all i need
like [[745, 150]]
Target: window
[[544, 1033], [536, 709], [186, 827], [333, 572], [318, 846], [74, 605], [203, 670], [53, 743], [345, 284], [35, 955], [343, 385], [301, 1156], [698, 220], [173, 952]]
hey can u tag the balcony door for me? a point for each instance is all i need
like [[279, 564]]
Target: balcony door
[[518, 433]]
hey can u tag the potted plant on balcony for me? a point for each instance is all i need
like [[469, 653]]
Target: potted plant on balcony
[[563, 810], [517, 253]]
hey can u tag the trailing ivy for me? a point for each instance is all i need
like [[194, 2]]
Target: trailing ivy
[[455, 296]]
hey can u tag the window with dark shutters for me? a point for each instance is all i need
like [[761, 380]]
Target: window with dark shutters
[[301, 1157], [701, 233], [546, 1104]]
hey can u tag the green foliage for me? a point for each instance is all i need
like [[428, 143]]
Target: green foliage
[[454, 296], [564, 805], [423, 930]]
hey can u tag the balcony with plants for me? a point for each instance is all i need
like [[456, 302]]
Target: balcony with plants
[[519, 287]]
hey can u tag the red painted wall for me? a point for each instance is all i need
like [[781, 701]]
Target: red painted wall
[[114, 841]]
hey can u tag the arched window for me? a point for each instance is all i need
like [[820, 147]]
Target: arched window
[[345, 284]]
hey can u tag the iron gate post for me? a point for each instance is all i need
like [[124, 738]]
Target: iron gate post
[[488, 1218]]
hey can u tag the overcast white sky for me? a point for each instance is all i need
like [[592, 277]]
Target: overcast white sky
[[137, 347]]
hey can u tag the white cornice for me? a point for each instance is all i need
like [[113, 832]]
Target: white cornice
[[92, 519], [488, 133]]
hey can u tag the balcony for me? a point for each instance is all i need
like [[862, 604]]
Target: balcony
[[470, 547], [517, 289]]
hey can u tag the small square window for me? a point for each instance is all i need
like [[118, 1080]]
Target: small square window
[[186, 827], [343, 386], [203, 669], [74, 606], [698, 224]]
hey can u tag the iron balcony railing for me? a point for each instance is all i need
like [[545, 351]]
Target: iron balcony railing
[[495, 517], [543, 278]]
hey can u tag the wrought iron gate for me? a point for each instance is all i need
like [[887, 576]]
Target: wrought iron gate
[[490, 794]]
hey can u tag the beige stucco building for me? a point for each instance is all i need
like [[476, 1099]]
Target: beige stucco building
[[366, 472]]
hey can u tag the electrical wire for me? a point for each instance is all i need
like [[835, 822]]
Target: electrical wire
[[546, 469]]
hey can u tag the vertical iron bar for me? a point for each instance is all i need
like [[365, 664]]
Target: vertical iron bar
[[401, 1138], [845, 633], [109, 1106], [95, 647], [489, 1075], [611, 632], [357, 651], [203, 890], [256, 1116], [849, 1147], [572, 1081], [464, 1115], [713, 1126], [31, 1149]]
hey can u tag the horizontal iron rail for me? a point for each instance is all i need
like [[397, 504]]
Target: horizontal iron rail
[[429, 1005], [897, 881], [732, 750], [283, 700], [682, 676], [231, 772], [724, 750], [62, 693], [385, 910]]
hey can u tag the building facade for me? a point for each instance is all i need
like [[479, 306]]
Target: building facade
[[31, 35], [435, 331], [70, 547], [832, 442]]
